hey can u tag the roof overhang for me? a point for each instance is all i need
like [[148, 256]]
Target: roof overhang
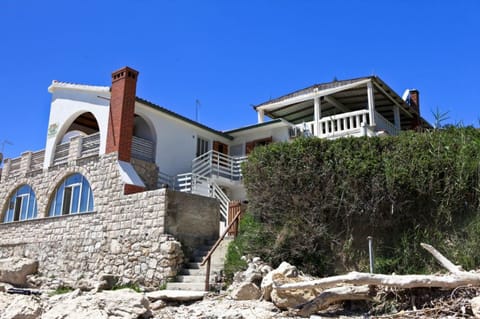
[[78, 87], [339, 97], [276, 123]]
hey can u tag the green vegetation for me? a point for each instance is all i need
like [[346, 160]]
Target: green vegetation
[[313, 202], [134, 286], [61, 291]]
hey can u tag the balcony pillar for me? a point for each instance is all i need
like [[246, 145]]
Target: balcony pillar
[[75, 148], [260, 115], [25, 162], [317, 114], [396, 117], [371, 103]]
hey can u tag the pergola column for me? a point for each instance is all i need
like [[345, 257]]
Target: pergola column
[[396, 117], [317, 114], [260, 115], [371, 103]]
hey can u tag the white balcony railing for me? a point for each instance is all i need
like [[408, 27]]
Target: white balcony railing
[[346, 124], [78, 147], [37, 160], [143, 149], [385, 125], [218, 164], [90, 145]]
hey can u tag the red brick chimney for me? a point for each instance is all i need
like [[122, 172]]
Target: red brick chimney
[[414, 100], [122, 108], [415, 105]]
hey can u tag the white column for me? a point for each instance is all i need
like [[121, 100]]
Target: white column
[[396, 117], [317, 114], [260, 115], [371, 103]]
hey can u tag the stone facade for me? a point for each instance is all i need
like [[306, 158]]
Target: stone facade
[[125, 235], [147, 171]]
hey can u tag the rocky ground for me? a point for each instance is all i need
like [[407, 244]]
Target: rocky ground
[[251, 295]]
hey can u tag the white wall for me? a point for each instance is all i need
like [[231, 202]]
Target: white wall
[[67, 104], [176, 145], [278, 132]]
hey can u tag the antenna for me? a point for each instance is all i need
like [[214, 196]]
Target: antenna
[[197, 106]]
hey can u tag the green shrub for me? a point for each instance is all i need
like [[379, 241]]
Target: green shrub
[[134, 286], [61, 291], [316, 200]]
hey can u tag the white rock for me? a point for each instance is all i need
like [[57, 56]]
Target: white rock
[[22, 307], [5, 300], [4, 286], [475, 303], [119, 304], [15, 270], [246, 291], [159, 304], [285, 269]]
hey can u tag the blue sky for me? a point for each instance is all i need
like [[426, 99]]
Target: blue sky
[[232, 54]]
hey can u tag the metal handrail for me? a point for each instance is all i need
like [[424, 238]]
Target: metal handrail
[[208, 257]]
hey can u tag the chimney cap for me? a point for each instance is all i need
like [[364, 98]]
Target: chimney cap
[[124, 72]]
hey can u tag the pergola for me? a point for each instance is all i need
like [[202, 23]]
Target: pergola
[[340, 97]]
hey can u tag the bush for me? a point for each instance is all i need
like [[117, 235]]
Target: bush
[[316, 200]]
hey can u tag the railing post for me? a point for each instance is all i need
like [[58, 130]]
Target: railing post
[[207, 274]]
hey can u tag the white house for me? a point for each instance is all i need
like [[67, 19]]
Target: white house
[[158, 147], [116, 168]]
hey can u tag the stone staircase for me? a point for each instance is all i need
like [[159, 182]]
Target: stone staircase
[[192, 275]]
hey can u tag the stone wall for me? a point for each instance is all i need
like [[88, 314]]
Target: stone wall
[[192, 219], [125, 235], [147, 171]]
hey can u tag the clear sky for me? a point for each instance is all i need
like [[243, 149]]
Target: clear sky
[[231, 55]]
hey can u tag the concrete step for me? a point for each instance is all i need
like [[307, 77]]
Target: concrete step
[[196, 259], [200, 253], [193, 272], [186, 286], [196, 265], [190, 278], [193, 265]]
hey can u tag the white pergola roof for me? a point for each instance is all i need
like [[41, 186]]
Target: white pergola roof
[[338, 97]]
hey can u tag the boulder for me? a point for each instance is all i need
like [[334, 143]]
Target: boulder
[[246, 291], [286, 273], [87, 284], [5, 301], [287, 270], [119, 304], [15, 270], [107, 281], [22, 307], [291, 298], [157, 305], [4, 286], [475, 304]]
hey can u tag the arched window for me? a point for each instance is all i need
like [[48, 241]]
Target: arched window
[[73, 196], [22, 205]]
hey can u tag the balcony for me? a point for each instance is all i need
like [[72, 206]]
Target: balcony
[[347, 124], [78, 147]]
